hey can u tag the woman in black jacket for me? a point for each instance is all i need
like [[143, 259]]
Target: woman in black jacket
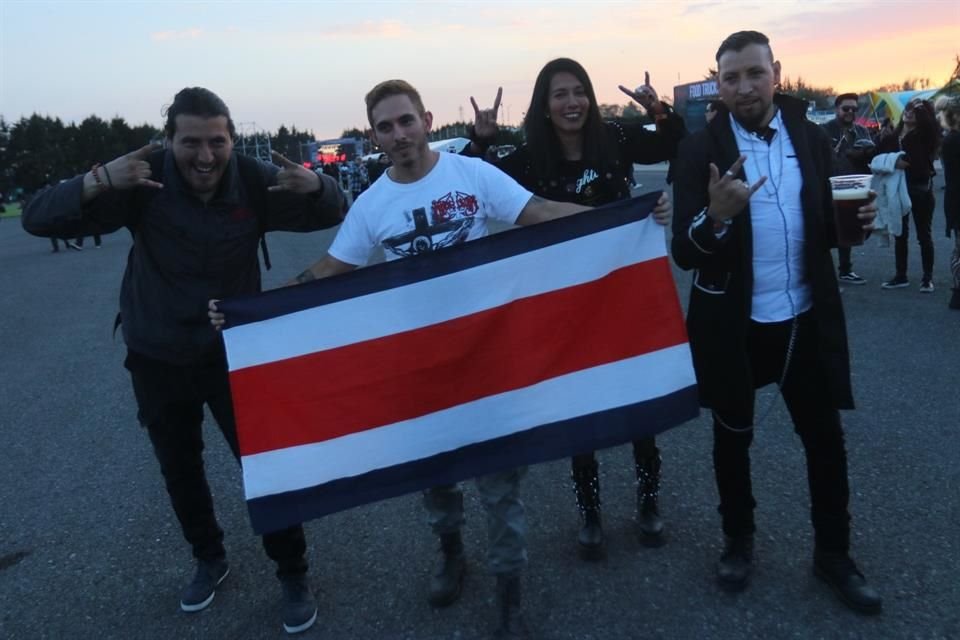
[[572, 155], [918, 138]]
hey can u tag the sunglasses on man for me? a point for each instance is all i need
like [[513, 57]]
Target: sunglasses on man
[[848, 109]]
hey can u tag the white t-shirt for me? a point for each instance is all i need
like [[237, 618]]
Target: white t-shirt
[[780, 286], [448, 206]]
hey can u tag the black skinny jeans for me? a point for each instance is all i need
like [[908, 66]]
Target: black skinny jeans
[[815, 421], [170, 399], [922, 204], [644, 450]]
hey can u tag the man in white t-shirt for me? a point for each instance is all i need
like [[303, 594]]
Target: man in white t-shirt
[[430, 200]]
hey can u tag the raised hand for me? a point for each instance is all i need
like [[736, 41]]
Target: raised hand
[[131, 170], [644, 95], [293, 177], [485, 120], [729, 195]]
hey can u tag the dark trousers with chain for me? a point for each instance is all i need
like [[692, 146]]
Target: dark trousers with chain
[[815, 421], [170, 399], [922, 204]]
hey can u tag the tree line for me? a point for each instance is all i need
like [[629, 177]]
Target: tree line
[[37, 151], [41, 150]]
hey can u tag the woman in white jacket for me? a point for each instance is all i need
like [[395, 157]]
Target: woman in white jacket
[[893, 201]]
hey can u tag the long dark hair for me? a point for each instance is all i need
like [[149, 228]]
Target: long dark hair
[[926, 126], [542, 141]]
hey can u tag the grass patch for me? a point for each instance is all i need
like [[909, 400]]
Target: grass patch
[[12, 210]]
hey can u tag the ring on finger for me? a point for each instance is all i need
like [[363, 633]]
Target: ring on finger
[[729, 173]]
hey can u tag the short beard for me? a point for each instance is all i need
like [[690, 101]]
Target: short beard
[[754, 123]]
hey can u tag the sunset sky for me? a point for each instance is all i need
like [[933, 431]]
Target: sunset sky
[[310, 63]]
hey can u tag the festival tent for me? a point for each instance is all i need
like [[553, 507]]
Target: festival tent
[[952, 88], [890, 104]]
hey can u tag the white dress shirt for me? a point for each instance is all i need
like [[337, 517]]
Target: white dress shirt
[[780, 287]]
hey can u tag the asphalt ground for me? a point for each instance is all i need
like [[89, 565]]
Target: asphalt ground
[[89, 547]]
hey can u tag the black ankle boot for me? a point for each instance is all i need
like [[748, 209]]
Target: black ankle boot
[[736, 563], [649, 523], [586, 487], [839, 571], [446, 581], [512, 624], [953, 304]]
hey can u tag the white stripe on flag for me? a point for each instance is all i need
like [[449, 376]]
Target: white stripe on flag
[[384, 313], [617, 384]]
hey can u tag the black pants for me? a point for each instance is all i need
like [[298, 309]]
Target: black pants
[[844, 263], [815, 421], [922, 204], [170, 399], [643, 449]]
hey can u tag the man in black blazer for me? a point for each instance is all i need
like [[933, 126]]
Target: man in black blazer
[[753, 220]]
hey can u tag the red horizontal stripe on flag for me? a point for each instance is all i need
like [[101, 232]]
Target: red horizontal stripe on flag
[[332, 393]]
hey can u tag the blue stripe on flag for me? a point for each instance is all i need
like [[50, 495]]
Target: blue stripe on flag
[[541, 444]]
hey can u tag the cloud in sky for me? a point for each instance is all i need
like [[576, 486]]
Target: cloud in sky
[[385, 30], [173, 36]]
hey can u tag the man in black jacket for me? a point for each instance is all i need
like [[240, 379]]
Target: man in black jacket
[[196, 225], [853, 148], [753, 219]]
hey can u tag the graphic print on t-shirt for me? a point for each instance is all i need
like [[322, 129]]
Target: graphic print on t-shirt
[[450, 219]]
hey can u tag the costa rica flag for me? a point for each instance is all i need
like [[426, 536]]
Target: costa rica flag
[[525, 346]]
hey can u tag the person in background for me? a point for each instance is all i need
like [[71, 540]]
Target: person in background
[[96, 240], [917, 137], [948, 111], [711, 111], [852, 151], [67, 244]]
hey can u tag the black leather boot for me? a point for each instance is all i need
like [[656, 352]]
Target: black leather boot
[[512, 624], [736, 563], [649, 522], [586, 487], [954, 297], [839, 571], [446, 581]]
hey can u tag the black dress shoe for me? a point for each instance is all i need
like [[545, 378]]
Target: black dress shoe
[[736, 563], [840, 572]]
